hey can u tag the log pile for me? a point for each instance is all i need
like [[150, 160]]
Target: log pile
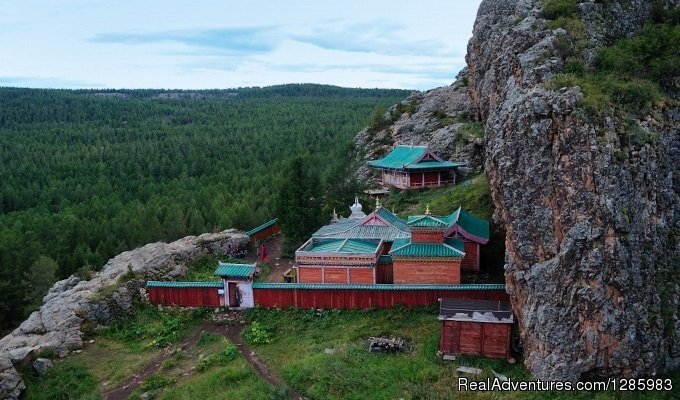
[[387, 345]]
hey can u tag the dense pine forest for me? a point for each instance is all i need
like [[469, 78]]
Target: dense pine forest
[[85, 175]]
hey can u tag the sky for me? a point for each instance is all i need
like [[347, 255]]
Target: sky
[[199, 44]]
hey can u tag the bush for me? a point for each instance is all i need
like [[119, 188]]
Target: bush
[[257, 334], [206, 338], [377, 120], [155, 382], [554, 9], [66, 380], [221, 358]]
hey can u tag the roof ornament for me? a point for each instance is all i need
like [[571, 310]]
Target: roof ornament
[[356, 208], [377, 203], [427, 210], [334, 217]]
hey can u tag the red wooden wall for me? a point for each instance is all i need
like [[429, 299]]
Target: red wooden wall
[[475, 338], [184, 296], [364, 298]]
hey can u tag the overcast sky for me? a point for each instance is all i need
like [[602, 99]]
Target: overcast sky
[[198, 44]]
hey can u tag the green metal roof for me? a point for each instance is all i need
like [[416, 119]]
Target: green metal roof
[[469, 223], [354, 246], [392, 219], [167, 284], [235, 270], [379, 286], [262, 227], [352, 228], [476, 226], [385, 259], [426, 221], [406, 157], [404, 248]]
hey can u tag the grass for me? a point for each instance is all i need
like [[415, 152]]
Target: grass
[[151, 328], [474, 197], [300, 338], [69, 379], [297, 353], [212, 369], [631, 76]]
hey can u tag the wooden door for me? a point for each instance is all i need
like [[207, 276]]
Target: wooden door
[[450, 341], [233, 299]]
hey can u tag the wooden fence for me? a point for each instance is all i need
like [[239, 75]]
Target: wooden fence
[[305, 295], [185, 294], [275, 295]]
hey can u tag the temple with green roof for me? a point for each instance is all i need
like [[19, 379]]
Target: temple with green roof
[[383, 248], [415, 167]]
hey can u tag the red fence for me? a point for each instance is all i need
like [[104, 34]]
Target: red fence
[[275, 295], [185, 294], [306, 295]]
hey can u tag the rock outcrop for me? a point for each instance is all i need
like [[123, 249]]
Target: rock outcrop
[[57, 325], [592, 216], [439, 117], [592, 219]]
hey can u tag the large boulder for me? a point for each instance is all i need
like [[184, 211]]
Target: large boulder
[[72, 301]]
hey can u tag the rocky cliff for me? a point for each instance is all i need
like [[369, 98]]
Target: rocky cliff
[[70, 303], [590, 200]]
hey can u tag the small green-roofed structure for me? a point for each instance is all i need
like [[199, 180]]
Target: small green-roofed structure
[[412, 157], [235, 271], [413, 167]]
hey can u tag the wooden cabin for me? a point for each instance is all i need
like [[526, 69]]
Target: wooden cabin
[[415, 167], [475, 327], [237, 280]]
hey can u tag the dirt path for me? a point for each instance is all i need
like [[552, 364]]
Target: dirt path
[[278, 265], [233, 333]]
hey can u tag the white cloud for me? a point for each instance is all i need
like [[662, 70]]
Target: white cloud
[[205, 44]]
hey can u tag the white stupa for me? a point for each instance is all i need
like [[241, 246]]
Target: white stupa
[[356, 209]]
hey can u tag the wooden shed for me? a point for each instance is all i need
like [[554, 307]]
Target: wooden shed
[[475, 327]]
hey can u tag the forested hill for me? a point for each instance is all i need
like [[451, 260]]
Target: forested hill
[[88, 174]]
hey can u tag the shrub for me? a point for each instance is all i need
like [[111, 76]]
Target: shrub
[[257, 334], [559, 8], [377, 120], [207, 338], [155, 382], [228, 354], [66, 380]]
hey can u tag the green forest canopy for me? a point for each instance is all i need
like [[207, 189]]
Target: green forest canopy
[[88, 174]]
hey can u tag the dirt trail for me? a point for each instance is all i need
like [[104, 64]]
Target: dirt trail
[[233, 333], [273, 258]]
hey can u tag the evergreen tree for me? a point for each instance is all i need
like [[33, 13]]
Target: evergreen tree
[[298, 205]]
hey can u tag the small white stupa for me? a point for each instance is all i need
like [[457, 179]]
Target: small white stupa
[[356, 209]]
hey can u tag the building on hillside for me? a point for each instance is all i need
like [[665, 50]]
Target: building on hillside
[[384, 248], [415, 167], [475, 327], [237, 281]]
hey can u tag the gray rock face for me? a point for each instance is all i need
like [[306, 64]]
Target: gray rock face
[[72, 301], [592, 217], [440, 117], [41, 365]]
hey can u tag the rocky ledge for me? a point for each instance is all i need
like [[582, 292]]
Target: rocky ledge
[[73, 301]]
